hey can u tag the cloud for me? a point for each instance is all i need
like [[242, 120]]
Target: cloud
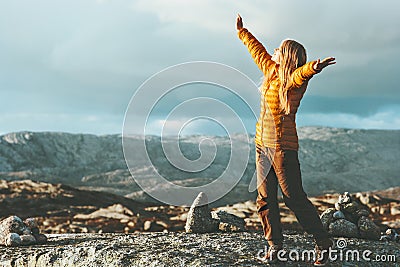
[[89, 57], [196, 13], [61, 122], [200, 125], [386, 118]]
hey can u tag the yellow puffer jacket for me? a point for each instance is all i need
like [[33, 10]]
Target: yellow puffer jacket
[[274, 128]]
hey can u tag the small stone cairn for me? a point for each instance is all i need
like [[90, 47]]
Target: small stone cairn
[[391, 235], [201, 219], [348, 219], [15, 232]]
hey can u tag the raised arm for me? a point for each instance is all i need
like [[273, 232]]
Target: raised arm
[[256, 49], [305, 72]]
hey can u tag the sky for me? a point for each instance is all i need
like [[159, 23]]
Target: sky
[[74, 66]]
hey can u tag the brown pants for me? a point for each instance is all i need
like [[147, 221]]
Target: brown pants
[[281, 167]]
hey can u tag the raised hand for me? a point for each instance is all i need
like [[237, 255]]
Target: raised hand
[[239, 22], [320, 65]]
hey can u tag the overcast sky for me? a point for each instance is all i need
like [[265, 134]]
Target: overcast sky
[[74, 65]]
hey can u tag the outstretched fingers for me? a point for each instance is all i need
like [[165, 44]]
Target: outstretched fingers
[[239, 22], [319, 65], [329, 61]]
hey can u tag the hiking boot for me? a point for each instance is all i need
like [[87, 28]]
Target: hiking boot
[[271, 256], [322, 252]]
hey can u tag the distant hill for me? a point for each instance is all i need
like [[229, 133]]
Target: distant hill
[[332, 160]]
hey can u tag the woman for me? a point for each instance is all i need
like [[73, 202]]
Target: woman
[[286, 75]]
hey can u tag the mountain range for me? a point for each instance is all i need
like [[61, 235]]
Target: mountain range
[[332, 160]]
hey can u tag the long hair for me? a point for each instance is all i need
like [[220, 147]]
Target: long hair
[[293, 55]]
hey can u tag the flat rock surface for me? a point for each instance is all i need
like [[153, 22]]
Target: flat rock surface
[[181, 249]]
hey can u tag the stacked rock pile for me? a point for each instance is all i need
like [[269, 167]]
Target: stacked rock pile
[[391, 235], [201, 219], [15, 232], [349, 219]]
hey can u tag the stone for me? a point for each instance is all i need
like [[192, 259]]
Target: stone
[[343, 228], [199, 218], [31, 223], [390, 232], [116, 211], [27, 239], [338, 215], [228, 222], [12, 240], [131, 224], [385, 210], [365, 199], [12, 224], [368, 229], [350, 207], [226, 227], [35, 231], [390, 235], [375, 209], [385, 238], [27, 231], [327, 217], [362, 212], [351, 218], [350, 212], [40, 238], [152, 226], [163, 224], [146, 225], [345, 198], [395, 210]]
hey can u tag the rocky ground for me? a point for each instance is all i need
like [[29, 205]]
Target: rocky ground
[[181, 249], [102, 229], [86, 228], [63, 209]]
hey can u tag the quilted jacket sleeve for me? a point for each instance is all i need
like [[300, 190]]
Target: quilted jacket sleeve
[[303, 74], [257, 50]]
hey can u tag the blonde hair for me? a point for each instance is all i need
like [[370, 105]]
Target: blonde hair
[[293, 55]]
